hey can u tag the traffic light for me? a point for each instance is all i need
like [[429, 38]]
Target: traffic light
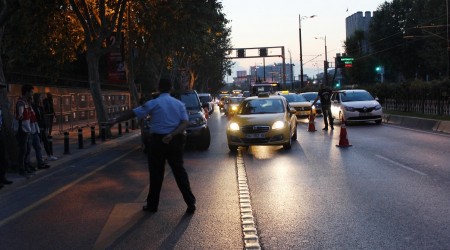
[[263, 52], [378, 69], [337, 84], [241, 53]]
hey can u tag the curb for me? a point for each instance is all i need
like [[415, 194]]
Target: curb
[[417, 123]]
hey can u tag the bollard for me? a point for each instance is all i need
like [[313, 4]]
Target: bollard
[[126, 127], [66, 143], [103, 132], [80, 138], [119, 127], [133, 124], [50, 144], [92, 135]]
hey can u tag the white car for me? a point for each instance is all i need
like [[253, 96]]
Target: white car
[[355, 105]]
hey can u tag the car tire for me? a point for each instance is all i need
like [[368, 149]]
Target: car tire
[[233, 148], [205, 139], [294, 136], [288, 145]]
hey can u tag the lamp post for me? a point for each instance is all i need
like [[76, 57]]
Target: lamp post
[[325, 63], [300, 18], [292, 70]]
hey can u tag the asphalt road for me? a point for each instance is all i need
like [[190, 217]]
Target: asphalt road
[[390, 190]]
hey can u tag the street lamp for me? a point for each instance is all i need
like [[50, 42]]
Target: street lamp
[[325, 63], [300, 18]]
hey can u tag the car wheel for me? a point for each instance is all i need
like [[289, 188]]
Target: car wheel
[[233, 148], [205, 140], [288, 145], [294, 136]]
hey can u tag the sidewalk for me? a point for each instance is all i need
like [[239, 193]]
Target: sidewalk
[[66, 152]]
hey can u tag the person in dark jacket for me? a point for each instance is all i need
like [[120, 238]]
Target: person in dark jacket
[[49, 112], [325, 100], [40, 116]]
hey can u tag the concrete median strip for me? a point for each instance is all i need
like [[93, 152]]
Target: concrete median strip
[[418, 123]]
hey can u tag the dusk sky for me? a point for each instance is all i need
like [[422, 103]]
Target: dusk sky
[[264, 23]]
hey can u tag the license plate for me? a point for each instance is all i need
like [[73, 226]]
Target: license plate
[[253, 136], [365, 114]]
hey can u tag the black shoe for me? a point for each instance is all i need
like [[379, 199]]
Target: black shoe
[[332, 128], [43, 166], [150, 209], [190, 210], [326, 128], [6, 181]]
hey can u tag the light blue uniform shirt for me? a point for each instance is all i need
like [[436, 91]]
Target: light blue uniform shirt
[[166, 113]]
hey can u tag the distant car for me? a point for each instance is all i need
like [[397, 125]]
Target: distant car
[[355, 105], [267, 120], [302, 106], [222, 101], [207, 100], [231, 104], [311, 96], [197, 132]]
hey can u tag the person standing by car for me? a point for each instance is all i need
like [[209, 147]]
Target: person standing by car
[[169, 120], [325, 100]]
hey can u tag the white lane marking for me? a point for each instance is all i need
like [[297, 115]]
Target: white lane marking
[[251, 239], [401, 165]]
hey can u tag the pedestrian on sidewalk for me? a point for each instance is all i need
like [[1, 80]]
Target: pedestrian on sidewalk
[[40, 116], [49, 112], [35, 141], [169, 120], [22, 128], [3, 162], [325, 100]]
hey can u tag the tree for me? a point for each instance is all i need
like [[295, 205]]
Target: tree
[[99, 19]]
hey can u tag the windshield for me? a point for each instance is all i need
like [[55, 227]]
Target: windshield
[[205, 98], [349, 96], [258, 106], [310, 96], [295, 98], [190, 100]]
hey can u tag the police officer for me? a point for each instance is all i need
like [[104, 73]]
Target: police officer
[[325, 100], [169, 120]]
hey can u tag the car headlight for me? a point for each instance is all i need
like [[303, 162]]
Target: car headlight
[[347, 108], [234, 126], [313, 107], [234, 108], [278, 125], [197, 121], [377, 107]]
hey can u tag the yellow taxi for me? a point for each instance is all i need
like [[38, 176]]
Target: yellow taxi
[[262, 120], [302, 106]]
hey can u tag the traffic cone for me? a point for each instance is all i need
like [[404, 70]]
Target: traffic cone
[[343, 140], [311, 126]]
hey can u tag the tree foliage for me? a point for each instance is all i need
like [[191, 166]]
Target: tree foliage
[[407, 37]]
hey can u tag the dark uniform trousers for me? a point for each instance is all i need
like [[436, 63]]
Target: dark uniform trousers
[[158, 154]]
